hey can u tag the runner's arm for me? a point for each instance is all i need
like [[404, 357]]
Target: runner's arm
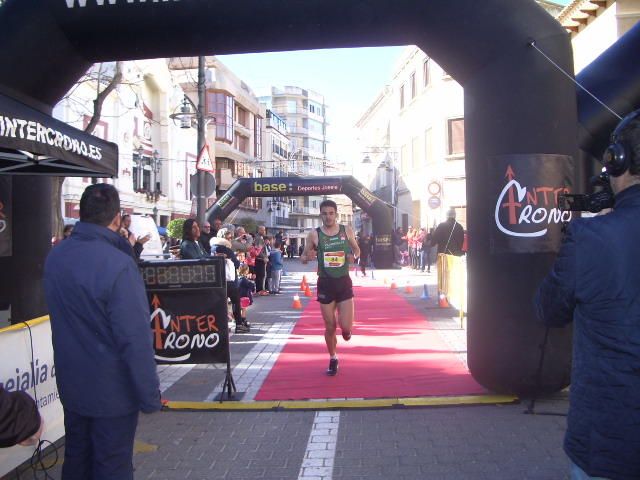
[[309, 247], [355, 249]]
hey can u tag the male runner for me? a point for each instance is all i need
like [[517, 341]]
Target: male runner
[[335, 246]]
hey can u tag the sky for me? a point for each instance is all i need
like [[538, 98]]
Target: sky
[[350, 79]]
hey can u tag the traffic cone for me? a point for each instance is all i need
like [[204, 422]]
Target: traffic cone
[[408, 288], [297, 304], [307, 292], [425, 292], [304, 278], [385, 281], [442, 301], [393, 285], [303, 284]]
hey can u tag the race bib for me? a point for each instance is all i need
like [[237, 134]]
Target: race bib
[[334, 259]]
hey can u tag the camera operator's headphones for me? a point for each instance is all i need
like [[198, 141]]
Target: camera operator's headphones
[[618, 156]]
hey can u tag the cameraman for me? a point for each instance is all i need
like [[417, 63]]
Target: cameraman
[[595, 282]]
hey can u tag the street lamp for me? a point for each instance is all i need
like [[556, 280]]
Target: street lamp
[[189, 113]]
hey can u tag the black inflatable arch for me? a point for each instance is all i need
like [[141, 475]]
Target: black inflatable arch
[[520, 113], [377, 209]]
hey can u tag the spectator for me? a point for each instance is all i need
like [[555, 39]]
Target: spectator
[[277, 264], [364, 242], [20, 422], [221, 245], [102, 343], [449, 236], [66, 232], [261, 258], [190, 247], [205, 237]]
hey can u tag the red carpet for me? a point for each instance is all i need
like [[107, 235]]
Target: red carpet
[[394, 352]]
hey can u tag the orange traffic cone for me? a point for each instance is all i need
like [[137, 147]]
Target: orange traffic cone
[[297, 304], [303, 284], [393, 285], [408, 288], [442, 301], [307, 292]]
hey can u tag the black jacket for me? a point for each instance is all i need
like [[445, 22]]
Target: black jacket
[[449, 236], [595, 282], [19, 417]]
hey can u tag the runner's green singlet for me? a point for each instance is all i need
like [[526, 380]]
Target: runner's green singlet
[[332, 254]]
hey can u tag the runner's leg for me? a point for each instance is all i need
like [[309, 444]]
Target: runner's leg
[[329, 317], [346, 313]]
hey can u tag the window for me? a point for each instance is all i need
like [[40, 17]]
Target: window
[[257, 139], [401, 97], [425, 72], [291, 106], [221, 106], [412, 81], [455, 132], [243, 117], [428, 146], [242, 144]]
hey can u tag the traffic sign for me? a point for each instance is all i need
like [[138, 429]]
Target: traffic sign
[[204, 162], [434, 202], [209, 184]]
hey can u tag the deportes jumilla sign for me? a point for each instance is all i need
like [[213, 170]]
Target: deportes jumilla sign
[[526, 202], [34, 143]]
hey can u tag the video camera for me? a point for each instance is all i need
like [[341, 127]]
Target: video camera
[[593, 202]]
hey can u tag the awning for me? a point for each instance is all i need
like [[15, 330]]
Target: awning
[[33, 143]]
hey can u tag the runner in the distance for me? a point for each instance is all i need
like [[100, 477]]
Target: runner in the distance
[[336, 247]]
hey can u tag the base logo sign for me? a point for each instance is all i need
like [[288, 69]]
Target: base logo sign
[[526, 212]]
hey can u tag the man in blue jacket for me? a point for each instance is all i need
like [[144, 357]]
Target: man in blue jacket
[[102, 341], [595, 282]]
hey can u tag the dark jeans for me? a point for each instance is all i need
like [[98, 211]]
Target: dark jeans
[[261, 273], [98, 448], [234, 295]]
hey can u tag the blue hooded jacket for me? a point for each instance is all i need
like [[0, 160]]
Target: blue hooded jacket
[[100, 325], [595, 282]]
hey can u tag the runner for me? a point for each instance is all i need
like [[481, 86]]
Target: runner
[[335, 247]]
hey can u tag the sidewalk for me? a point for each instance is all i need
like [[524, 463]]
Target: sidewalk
[[457, 443]]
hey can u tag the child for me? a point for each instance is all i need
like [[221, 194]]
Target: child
[[246, 285], [277, 264]]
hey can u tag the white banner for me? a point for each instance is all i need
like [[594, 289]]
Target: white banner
[[31, 370]]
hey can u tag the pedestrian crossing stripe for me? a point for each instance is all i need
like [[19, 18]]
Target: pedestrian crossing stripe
[[204, 162]]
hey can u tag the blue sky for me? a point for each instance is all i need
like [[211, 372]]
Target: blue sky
[[350, 79]]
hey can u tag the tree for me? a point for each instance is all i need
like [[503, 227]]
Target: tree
[[109, 84], [250, 225]]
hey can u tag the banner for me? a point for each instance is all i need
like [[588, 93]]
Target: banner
[[57, 148], [525, 195], [5, 217], [31, 371]]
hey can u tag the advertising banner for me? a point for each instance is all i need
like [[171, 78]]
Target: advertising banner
[[60, 149], [525, 195], [5, 216], [31, 371]]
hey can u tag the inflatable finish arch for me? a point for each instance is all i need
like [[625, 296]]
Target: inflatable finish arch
[[520, 116], [379, 211]]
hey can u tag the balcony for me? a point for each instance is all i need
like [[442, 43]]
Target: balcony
[[287, 222]]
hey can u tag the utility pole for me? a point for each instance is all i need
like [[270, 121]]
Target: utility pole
[[201, 200]]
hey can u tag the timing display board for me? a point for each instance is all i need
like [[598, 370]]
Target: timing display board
[[188, 304]]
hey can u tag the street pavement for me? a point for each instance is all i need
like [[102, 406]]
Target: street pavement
[[492, 441]]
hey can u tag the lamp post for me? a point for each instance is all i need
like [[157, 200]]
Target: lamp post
[[189, 112]]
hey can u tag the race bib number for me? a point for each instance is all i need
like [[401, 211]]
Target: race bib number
[[334, 259]]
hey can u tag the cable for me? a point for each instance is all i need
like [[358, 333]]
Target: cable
[[36, 462], [532, 43]]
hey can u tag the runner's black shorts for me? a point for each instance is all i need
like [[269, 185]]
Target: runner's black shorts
[[334, 289]]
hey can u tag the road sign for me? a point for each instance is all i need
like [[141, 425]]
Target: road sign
[[204, 162], [434, 202], [209, 184]]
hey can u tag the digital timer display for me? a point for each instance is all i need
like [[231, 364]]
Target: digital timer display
[[182, 274]]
